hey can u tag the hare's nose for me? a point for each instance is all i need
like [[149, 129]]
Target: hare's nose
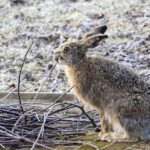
[[58, 57]]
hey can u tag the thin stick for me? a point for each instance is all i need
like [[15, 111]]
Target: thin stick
[[55, 101], [140, 142], [89, 144], [41, 131], [42, 127], [44, 82], [20, 77], [2, 146], [108, 145], [17, 136], [20, 119], [83, 111]]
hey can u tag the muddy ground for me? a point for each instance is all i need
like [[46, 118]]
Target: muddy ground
[[50, 22]]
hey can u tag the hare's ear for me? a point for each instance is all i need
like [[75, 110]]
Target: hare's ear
[[95, 31], [92, 38]]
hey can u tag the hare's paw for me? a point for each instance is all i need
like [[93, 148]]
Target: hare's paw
[[115, 137]]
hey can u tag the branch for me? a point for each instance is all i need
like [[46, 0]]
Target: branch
[[83, 111], [20, 77], [58, 99]]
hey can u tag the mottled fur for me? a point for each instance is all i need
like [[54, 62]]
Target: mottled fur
[[120, 95]]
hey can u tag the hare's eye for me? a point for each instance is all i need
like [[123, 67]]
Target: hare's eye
[[67, 49]]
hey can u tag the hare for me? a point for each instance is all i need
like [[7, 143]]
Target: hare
[[120, 96]]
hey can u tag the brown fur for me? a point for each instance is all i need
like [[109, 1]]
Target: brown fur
[[120, 95]]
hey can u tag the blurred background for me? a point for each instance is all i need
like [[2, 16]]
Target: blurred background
[[51, 22]]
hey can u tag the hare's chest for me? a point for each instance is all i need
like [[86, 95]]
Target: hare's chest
[[81, 85], [71, 77], [77, 78]]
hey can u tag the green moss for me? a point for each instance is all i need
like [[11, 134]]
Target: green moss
[[90, 142]]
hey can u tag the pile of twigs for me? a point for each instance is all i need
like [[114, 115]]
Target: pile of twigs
[[44, 127]]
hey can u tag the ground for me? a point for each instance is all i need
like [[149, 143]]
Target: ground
[[50, 22]]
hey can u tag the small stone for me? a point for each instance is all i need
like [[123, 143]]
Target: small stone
[[36, 89], [120, 59], [106, 53], [40, 63], [53, 37], [12, 70], [66, 27], [39, 55], [87, 24], [17, 16], [53, 90], [61, 75], [16, 2], [28, 76], [49, 66], [96, 16], [147, 38]]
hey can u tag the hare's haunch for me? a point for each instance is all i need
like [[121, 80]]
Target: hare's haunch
[[120, 95]]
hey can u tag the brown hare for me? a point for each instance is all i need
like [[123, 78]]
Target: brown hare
[[120, 95]]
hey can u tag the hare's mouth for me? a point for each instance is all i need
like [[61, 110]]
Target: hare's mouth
[[59, 59]]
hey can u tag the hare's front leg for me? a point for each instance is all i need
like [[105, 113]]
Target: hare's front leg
[[105, 127]]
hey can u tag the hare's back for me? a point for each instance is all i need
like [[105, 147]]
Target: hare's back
[[116, 74]]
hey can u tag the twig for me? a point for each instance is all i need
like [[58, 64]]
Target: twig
[[92, 145], [108, 145], [20, 77], [140, 142], [20, 119], [20, 137], [83, 111], [89, 144], [2, 146], [57, 100], [44, 82], [42, 128]]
